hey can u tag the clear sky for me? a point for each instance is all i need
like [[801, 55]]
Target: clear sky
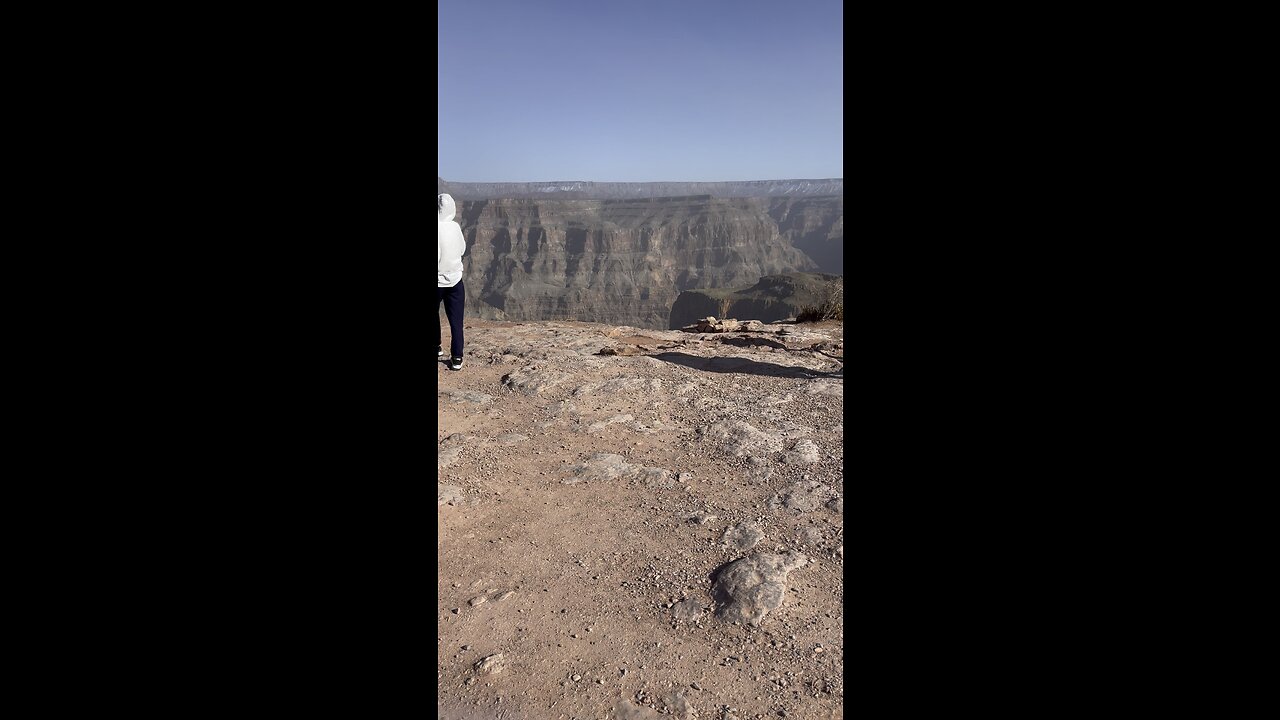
[[640, 90]]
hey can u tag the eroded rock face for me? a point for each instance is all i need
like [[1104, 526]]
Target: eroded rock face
[[624, 262], [748, 589]]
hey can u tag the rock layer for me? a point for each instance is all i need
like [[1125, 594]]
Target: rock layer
[[618, 253]]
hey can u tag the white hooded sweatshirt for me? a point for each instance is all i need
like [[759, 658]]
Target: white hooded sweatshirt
[[450, 244]]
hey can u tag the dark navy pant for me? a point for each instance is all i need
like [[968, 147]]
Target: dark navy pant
[[453, 298]]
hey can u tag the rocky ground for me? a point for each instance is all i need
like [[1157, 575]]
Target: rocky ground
[[641, 523]]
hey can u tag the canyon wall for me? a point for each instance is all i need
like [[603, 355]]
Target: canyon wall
[[625, 261]]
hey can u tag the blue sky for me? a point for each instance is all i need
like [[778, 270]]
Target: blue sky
[[640, 91]]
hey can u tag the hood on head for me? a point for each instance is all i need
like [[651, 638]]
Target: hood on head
[[445, 207]]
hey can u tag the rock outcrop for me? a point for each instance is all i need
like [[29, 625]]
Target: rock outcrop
[[748, 589]]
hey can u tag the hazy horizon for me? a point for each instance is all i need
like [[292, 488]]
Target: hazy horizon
[[662, 91]]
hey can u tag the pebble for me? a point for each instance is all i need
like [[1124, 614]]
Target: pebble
[[576, 678], [478, 600]]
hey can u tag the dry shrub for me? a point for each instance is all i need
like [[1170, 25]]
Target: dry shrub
[[830, 308]]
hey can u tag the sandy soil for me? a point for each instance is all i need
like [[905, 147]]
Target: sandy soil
[[587, 501]]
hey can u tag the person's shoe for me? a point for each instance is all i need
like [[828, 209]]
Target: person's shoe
[[439, 351], [455, 363]]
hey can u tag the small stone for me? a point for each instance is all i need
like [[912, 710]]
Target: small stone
[[455, 610], [576, 678], [505, 595], [478, 600], [466, 647], [490, 665]]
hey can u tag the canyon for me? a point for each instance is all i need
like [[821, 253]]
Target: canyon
[[622, 253]]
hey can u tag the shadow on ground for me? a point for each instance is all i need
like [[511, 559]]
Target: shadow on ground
[[743, 366]]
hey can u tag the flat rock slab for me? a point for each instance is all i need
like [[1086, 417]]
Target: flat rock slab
[[606, 466], [741, 439], [748, 589], [598, 426], [742, 536], [511, 438], [620, 387], [825, 387], [802, 497], [456, 440], [447, 457], [449, 495], [687, 610], [803, 452], [534, 380], [466, 396]]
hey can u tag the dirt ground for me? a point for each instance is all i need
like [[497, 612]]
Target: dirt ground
[[587, 501]]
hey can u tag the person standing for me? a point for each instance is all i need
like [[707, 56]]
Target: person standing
[[450, 247]]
